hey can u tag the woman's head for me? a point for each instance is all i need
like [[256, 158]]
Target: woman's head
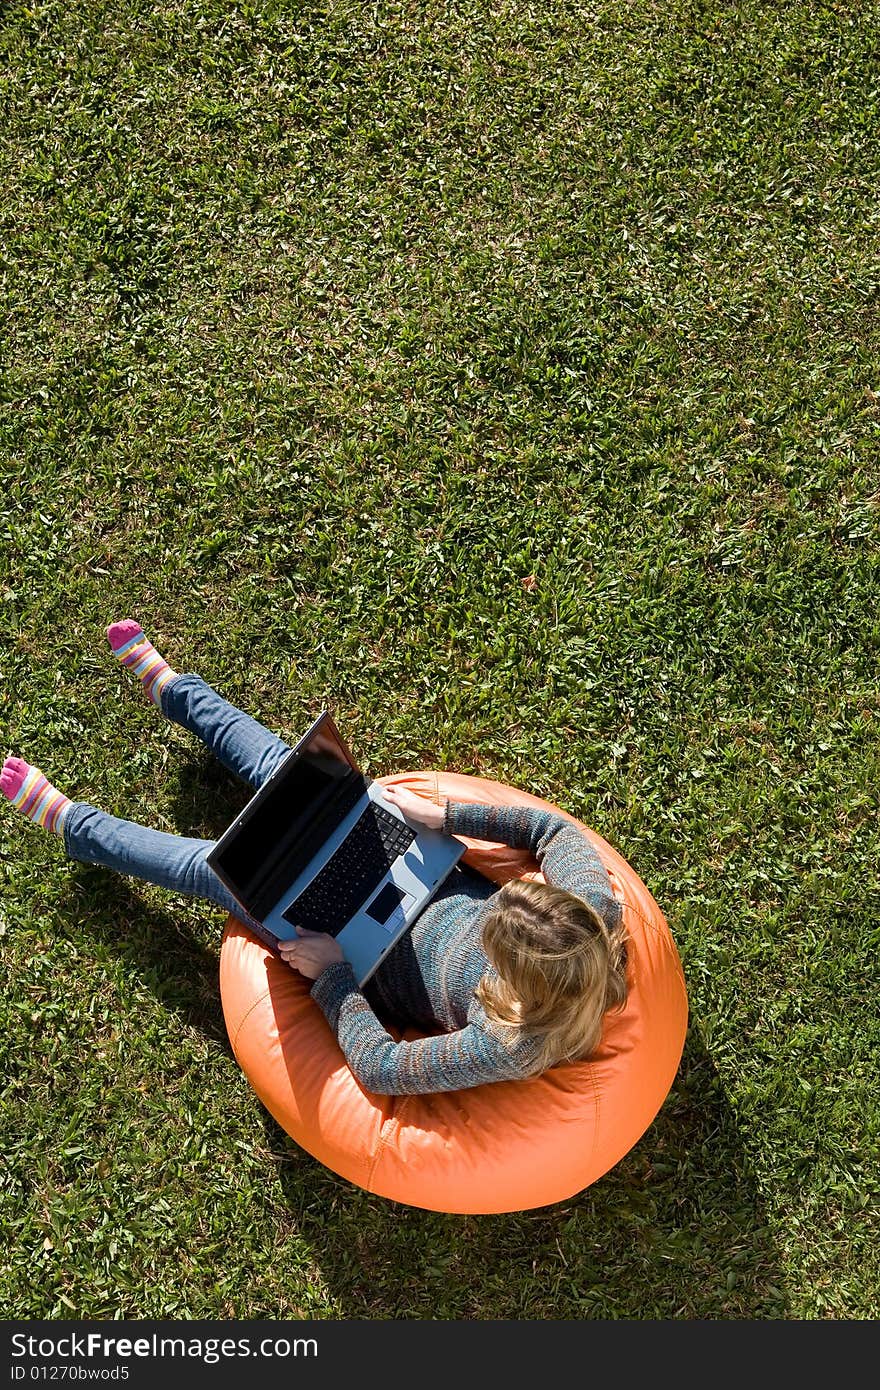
[[559, 967]]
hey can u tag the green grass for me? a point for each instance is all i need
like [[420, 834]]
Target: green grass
[[325, 327]]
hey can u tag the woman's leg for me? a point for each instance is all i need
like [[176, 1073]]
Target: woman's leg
[[240, 742], [170, 861], [93, 837]]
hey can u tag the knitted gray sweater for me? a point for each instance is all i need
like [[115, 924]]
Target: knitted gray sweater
[[428, 980]]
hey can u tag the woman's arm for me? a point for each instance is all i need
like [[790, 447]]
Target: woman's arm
[[451, 1062], [566, 857], [448, 1062]]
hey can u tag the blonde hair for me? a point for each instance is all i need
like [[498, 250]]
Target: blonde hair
[[560, 968]]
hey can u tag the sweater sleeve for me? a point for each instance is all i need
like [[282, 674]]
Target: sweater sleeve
[[566, 857], [450, 1062]]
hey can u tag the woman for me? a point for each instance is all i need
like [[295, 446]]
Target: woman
[[506, 982]]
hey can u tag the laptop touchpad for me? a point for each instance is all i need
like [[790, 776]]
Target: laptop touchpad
[[389, 906]]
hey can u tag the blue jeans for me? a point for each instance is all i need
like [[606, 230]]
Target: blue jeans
[[172, 861]]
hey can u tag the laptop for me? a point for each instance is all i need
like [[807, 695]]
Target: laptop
[[318, 847]]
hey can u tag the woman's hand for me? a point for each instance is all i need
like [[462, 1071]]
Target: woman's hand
[[416, 808], [311, 952]]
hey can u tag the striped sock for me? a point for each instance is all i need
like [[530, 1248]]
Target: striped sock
[[28, 789], [140, 656]]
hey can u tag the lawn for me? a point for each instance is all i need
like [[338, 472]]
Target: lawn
[[506, 380]]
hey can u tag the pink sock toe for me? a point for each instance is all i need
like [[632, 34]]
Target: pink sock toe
[[14, 772], [120, 633]]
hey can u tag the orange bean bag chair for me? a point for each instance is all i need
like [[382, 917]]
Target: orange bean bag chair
[[508, 1146]]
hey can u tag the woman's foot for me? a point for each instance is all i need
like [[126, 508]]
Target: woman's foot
[[29, 790], [140, 656]]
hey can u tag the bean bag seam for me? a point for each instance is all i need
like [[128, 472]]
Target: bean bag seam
[[257, 1002], [391, 1125], [659, 936], [595, 1090], [645, 921]]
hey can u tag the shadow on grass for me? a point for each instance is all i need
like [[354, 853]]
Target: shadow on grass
[[180, 969], [206, 796], [676, 1230]]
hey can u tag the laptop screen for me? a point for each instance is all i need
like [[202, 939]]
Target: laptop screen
[[288, 819]]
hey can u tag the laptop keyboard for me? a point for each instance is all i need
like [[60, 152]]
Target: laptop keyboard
[[351, 873]]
